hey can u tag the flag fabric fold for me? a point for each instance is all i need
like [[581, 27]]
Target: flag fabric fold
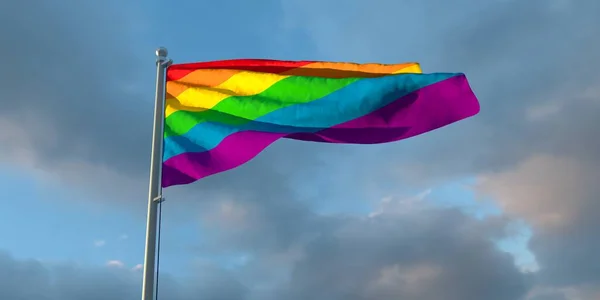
[[221, 114]]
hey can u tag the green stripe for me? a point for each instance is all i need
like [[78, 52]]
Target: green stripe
[[238, 110]]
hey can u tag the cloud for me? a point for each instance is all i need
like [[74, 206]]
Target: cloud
[[115, 263], [533, 66], [32, 280], [558, 197], [78, 122], [505, 48], [549, 191], [409, 250], [99, 243], [68, 97], [138, 267], [532, 63]]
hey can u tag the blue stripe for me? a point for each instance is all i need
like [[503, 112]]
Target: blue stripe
[[353, 101]]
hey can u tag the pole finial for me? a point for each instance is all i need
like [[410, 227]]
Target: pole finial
[[161, 53]]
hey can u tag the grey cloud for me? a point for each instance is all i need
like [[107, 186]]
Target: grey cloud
[[555, 51], [414, 252], [506, 41], [408, 250], [558, 197], [490, 59], [69, 81], [30, 279], [256, 207], [517, 54], [73, 86], [78, 96], [521, 57]]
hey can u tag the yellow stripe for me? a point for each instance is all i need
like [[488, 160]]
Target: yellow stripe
[[344, 70], [416, 68], [199, 98]]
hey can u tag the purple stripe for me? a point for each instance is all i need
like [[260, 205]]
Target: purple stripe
[[429, 108]]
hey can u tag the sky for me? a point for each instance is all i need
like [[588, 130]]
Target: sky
[[502, 206]]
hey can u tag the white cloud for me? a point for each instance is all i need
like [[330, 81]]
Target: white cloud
[[543, 111], [115, 263], [99, 243], [391, 205], [138, 267]]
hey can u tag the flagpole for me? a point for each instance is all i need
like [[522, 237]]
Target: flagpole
[[155, 185]]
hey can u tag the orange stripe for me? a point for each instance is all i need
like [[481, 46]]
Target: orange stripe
[[203, 77], [341, 70], [215, 77]]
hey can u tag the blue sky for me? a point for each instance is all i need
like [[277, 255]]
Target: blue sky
[[427, 218], [89, 233]]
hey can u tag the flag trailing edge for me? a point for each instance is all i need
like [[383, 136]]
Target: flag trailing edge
[[221, 114]]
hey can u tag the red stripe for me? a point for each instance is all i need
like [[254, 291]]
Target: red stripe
[[178, 71]]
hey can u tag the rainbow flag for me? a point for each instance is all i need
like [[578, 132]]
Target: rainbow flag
[[221, 114]]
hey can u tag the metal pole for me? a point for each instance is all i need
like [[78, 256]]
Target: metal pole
[[155, 186]]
